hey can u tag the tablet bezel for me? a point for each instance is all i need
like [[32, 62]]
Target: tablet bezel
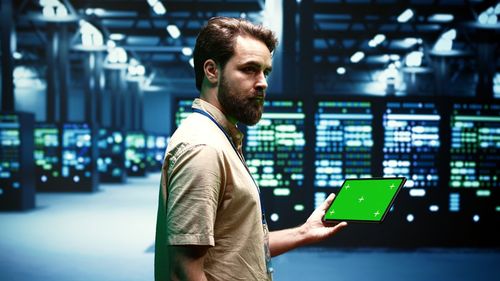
[[366, 221]]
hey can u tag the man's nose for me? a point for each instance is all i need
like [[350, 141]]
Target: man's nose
[[261, 84]]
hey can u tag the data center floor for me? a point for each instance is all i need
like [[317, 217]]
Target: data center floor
[[109, 235]]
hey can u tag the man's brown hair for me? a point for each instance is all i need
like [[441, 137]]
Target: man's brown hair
[[216, 41]]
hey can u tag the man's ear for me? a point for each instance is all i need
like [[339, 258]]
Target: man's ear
[[211, 71]]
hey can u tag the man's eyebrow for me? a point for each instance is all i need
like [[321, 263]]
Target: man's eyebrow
[[256, 64]]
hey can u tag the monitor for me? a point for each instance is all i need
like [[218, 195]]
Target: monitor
[[274, 150], [78, 156], [47, 155], [135, 153], [111, 160], [412, 143]]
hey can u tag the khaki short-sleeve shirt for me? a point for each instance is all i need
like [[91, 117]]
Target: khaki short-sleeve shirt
[[207, 197]]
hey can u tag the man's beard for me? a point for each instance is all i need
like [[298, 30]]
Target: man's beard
[[237, 105]]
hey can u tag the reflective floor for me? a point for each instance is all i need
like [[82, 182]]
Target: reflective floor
[[109, 235]]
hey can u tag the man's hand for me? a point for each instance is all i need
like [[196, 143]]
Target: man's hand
[[315, 230], [312, 231]]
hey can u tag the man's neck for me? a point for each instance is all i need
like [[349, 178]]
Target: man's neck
[[211, 98]]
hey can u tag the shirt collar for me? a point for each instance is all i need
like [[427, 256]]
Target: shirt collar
[[230, 128]]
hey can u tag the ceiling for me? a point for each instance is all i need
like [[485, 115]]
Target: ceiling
[[329, 31]]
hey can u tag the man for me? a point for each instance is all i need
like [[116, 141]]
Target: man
[[210, 222]]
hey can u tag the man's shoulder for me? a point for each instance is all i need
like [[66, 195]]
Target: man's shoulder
[[196, 130], [195, 135]]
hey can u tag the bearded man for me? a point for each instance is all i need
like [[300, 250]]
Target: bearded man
[[211, 224]]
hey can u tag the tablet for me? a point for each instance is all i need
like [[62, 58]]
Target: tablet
[[364, 200]]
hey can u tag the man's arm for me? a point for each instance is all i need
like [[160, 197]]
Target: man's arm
[[312, 231], [187, 263]]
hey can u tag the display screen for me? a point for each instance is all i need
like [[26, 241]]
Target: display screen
[[76, 152], [474, 159], [300, 152], [156, 146], [344, 142], [184, 109], [10, 153], [274, 150], [275, 146], [110, 162], [47, 153], [412, 143], [364, 200], [135, 153], [475, 146]]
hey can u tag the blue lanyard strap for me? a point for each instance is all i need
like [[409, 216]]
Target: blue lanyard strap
[[204, 113]]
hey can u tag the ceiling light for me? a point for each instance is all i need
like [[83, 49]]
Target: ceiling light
[[341, 70], [405, 16], [357, 57], [152, 2], [116, 36], [17, 55], [174, 31], [159, 9], [414, 59], [440, 18], [187, 51], [450, 34]]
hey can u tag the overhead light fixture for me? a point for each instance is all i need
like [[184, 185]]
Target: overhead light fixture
[[136, 70], [48, 11], [17, 56], [341, 70], [414, 59], [174, 31], [187, 51], [91, 36], [394, 57], [152, 2], [51, 3], [117, 55], [61, 11], [140, 70], [450, 34], [405, 16], [377, 40], [410, 41], [490, 15], [116, 36], [440, 18], [445, 41], [191, 62], [159, 9], [357, 57]]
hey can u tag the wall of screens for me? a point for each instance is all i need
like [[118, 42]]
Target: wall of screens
[[135, 153], [474, 162], [111, 160], [448, 150], [275, 150], [47, 155], [156, 145], [17, 186], [78, 150]]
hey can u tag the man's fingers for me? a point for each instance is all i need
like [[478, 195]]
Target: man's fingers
[[328, 201]]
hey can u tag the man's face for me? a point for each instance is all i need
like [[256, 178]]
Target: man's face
[[242, 83]]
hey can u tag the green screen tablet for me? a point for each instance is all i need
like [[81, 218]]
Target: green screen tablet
[[364, 200]]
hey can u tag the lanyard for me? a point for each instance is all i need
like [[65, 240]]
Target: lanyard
[[204, 113]]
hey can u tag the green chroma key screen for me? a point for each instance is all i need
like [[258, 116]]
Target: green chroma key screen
[[364, 200]]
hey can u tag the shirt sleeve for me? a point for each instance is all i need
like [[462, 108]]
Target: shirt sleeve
[[194, 189]]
